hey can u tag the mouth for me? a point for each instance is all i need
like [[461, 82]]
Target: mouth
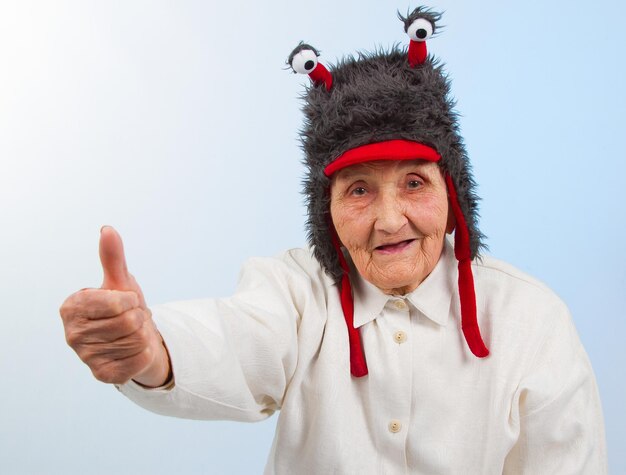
[[394, 247]]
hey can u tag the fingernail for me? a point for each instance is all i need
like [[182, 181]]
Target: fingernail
[[105, 226]]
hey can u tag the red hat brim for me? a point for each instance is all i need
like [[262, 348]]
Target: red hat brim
[[387, 150]]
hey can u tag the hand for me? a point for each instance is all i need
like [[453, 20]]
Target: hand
[[111, 328]]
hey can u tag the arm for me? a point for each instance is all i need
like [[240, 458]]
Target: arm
[[231, 358], [557, 408]]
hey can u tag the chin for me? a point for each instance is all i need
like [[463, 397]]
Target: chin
[[398, 278], [396, 286]]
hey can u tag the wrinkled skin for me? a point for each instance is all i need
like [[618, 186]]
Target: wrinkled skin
[[392, 217], [111, 328]]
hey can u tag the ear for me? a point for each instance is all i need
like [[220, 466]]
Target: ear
[[451, 224]]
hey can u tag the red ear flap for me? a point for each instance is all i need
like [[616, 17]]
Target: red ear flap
[[467, 294]]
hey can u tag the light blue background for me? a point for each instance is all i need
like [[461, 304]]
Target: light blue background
[[175, 122]]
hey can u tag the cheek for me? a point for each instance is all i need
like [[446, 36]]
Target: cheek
[[353, 228], [430, 215], [353, 233]]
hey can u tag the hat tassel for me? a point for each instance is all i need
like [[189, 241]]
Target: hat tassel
[[467, 293], [358, 365]]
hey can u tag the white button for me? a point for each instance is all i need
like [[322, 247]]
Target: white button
[[399, 337], [395, 426], [399, 304]]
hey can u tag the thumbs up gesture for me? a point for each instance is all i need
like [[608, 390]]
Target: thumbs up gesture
[[111, 328]]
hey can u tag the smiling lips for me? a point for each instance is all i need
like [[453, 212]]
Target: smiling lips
[[394, 248]]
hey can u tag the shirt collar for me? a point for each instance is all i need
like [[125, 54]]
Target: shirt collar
[[432, 297]]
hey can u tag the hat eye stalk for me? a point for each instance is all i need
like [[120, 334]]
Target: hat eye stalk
[[420, 30], [303, 60], [419, 25]]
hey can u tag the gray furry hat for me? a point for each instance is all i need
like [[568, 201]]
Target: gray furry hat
[[392, 105]]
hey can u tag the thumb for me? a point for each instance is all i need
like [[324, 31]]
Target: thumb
[[116, 276]]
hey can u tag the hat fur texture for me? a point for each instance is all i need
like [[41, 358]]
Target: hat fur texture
[[377, 97]]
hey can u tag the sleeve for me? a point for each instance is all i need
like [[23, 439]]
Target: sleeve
[[231, 358], [557, 408]]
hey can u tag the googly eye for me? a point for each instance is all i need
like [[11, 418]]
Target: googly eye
[[420, 30], [304, 62]]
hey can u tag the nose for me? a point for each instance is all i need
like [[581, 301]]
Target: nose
[[390, 215]]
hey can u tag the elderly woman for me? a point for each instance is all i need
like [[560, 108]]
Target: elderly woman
[[386, 348]]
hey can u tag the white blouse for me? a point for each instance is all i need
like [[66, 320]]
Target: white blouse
[[427, 406]]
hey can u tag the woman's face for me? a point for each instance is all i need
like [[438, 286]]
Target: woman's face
[[392, 217]]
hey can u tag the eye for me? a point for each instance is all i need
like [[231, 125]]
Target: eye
[[358, 191], [420, 30], [414, 183], [304, 62]]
